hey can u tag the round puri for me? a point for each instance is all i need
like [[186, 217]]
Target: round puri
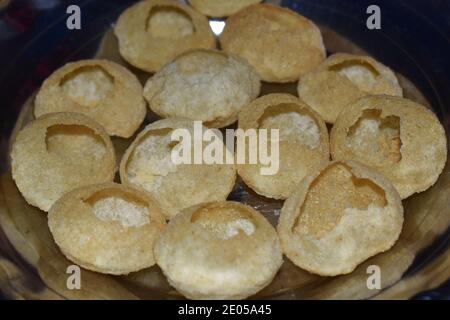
[[153, 32], [402, 139], [220, 8], [148, 164], [343, 78], [339, 216], [222, 250], [100, 89], [108, 228], [205, 85], [57, 153], [280, 44], [303, 143]]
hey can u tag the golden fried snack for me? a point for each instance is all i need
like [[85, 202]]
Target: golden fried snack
[[343, 78], [303, 143], [108, 228], [339, 216], [220, 8], [151, 33], [59, 152], [205, 85], [221, 250], [100, 89], [280, 44], [149, 165], [402, 139]]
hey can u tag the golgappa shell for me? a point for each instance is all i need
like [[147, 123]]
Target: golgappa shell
[[339, 216], [108, 228], [221, 250], [403, 140], [57, 153], [152, 33]]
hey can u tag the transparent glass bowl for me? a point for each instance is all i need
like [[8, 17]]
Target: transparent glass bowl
[[34, 41]]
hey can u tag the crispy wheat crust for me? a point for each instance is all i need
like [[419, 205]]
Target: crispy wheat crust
[[329, 228], [421, 145], [150, 50], [297, 159], [203, 257], [119, 107], [147, 164], [112, 241], [280, 44], [220, 8], [343, 78], [205, 85], [57, 153]]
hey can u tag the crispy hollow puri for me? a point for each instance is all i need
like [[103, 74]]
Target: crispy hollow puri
[[206, 85], [402, 139], [108, 228], [303, 143], [153, 32], [280, 44], [343, 78], [339, 216], [220, 250], [100, 89], [57, 153], [148, 164], [220, 8]]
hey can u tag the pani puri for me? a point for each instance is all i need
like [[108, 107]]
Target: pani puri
[[343, 78], [100, 89], [303, 143], [57, 153], [220, 8], [205, 85], [107, 228], [221, 250], [339, 216], [152, 33], [148, 164], [401, 139], [279, 43]]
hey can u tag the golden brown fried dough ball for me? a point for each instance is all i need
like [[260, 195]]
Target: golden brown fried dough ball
[[339, 216], [220, 8], [57, 153], [303, 143], [100, 89], [205, 85], [152, 33], [222, 250], [280, 44], [402, 139], [342, 79], [149, 165], [108, 228]]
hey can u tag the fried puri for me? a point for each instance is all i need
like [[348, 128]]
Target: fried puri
[[402, 139], [149, 164], [279, 43], [339, 216], [108, 228], [221, 250], [100, 89], [343, 78], [303, 143], [220, 8], [205, 85], [57, 153], [152, 33]]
